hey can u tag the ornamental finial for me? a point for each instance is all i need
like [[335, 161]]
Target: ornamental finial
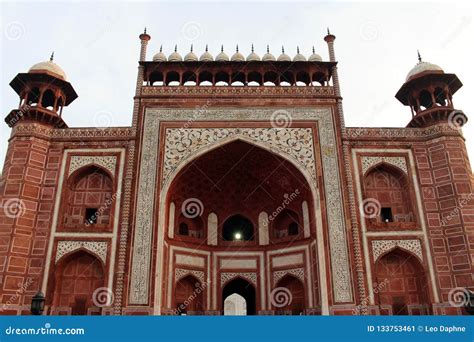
[[52, 56], [419, 56]]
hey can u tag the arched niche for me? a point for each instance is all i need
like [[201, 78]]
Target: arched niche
[[188, 296]]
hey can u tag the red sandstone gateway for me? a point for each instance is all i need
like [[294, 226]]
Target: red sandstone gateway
[[237, 190]]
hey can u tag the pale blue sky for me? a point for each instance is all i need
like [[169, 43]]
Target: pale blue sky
[[97, 45]]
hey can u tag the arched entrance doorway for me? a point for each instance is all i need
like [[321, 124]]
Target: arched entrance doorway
[[234, 292], [77, 277], [402, 284], [235, 305], [294, 301], [188, 296]]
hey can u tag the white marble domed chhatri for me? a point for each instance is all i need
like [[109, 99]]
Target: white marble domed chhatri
[[268, 56], [222, 57], [49, 67], [237, 56], [206, 56], [191, 56], [175, 56], [315, 57], [299, 57], [283, 57], [422, 67], [253, 56], [160, 56]]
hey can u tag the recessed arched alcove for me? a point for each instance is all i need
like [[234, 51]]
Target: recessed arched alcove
[[237, 181], [245, 290]]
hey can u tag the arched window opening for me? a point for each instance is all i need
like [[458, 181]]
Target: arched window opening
[[426, 101], [222, 78], [205, 78], [238, 228], [254, 79], [156, 78], [189, 296], [286, 224], [189, 78], [302, 79], [270, 78], [33, 97], [238, 79], [191, 226], [292, 294], [287, 79], [232, 295], [172, 78], [89, 199], [75, 280], [440, 97], [402, 287], [318, 79], [48, 99], [387, 189]]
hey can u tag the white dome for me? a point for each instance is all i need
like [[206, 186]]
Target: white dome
[[191, 56], [222, 57], [299, 57], [206, 56], [175, 56], [237, 56], [315, 57], [49, 67], [160, 56], [283, 57], [253, 56], [268, 56], [421, 67]]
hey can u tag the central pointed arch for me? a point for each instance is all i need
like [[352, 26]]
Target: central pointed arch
[[207, 149]]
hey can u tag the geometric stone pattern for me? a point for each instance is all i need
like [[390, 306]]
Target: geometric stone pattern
[[107, 162], [297, 272], [379, 247], [98, 248], [251, 277], [368, 162], [182, 142], [181, 273]]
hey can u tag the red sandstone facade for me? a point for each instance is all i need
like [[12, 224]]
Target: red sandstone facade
[[217, 189]]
